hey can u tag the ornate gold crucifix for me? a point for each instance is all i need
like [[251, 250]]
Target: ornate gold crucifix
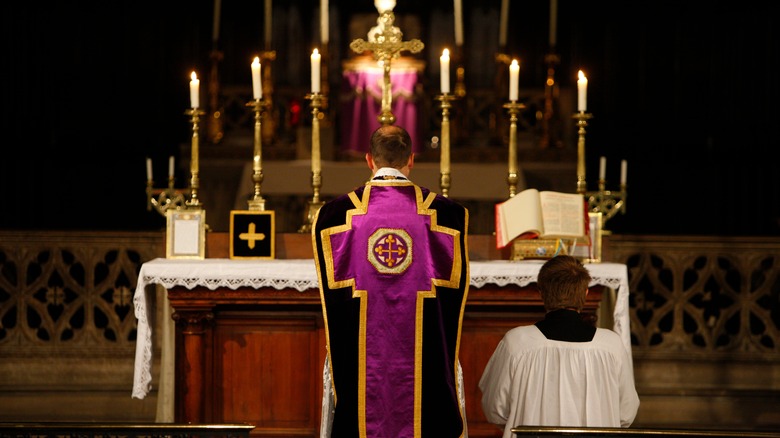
[[386, 43]]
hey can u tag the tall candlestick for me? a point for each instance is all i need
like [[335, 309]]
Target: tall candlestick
[[623, 172], [582, 92], [268, 21], [148, 169], [215, 28], [602, 168], [514, 77], [315, 71], [458, 11], [194, 91], [170, 166], [324, 27], [502, 27], [257, 83], [445, 71], [553, 21]]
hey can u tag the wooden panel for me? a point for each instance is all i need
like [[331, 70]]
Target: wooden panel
[[267, 371]]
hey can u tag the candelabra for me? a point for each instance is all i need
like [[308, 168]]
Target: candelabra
[[444, 182], [514, 109], [168, 198], [257, 202], [317, 102], [603, 201]]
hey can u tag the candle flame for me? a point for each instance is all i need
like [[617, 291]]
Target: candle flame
[[445, 53], [315, 52], [256, 61], [194, 76], [581, 75]]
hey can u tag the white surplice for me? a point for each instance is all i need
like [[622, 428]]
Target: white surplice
[[533, 381]]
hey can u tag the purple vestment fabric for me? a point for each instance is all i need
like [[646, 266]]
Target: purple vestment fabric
[[393, 282]]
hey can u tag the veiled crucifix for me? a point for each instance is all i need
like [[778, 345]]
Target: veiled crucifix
[[386, 43]]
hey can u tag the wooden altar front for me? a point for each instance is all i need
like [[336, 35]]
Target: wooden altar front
[[255, 353]]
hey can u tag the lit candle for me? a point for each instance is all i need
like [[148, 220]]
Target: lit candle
[[623, 171], [582, 92], [553, 21], [502, 27], [514, 77], [194, 91], [445, 71], [215, 28], [148, 169], [458, 11], [268, 20], [170, 166], [324, 28], [315, 71], [257, 83], [602, 168]]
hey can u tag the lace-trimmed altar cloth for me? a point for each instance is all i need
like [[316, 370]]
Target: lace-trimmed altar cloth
[[300, 274]]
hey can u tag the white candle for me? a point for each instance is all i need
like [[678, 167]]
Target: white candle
[[257, 83], [148, 169], [582, 92], [268, 20], [445, 71], [502, 27], [623, 171], [602, 168], [458, 10], [215, 29], [194, 91], [170, 166], [553, 21], [514, 77], [324, 28], [315, 71]]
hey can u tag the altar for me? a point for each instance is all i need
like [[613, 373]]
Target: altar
[[250, 345]]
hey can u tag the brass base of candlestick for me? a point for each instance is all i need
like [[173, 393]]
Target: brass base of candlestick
[[311, 213]]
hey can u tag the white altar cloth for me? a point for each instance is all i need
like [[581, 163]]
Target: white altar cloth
[[300, 274]]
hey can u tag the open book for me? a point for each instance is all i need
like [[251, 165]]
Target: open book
[[532, 214]]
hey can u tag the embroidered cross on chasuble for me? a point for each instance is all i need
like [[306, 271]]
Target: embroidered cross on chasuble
[[393, 271]]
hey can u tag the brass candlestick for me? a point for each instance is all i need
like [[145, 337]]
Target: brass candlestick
[[444, 183], [603, 201], [317, 102], [194, 202], [257, 202], [385, 41], [514, 109], [168, 198]]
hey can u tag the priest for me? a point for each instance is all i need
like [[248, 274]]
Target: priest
[[392, 264]]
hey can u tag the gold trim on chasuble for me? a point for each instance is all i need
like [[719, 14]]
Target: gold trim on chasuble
[[423, 208]]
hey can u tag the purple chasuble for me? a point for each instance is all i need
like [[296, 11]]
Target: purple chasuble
[[393, 254]]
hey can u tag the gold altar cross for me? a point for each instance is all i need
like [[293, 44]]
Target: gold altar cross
[[386, 43], [250, 236]]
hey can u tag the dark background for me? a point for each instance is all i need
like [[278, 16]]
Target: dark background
[[687, 92]]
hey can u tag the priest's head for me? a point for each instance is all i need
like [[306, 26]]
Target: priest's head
[[391, 146]]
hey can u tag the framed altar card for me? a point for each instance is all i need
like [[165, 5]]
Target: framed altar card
[[252, 234], [185, 234]]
